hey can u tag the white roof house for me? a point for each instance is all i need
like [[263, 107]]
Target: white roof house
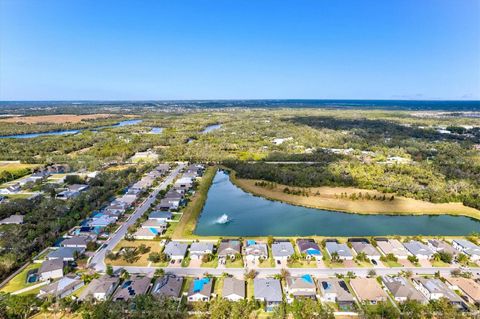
[[468, 248], [198, 249], [176, 250], [341, 249]]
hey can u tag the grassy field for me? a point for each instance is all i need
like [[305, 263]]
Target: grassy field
[[328, 198], [155, 246], [20, 281], [187, 223]]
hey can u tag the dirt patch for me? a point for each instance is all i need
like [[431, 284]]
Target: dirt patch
[[54, 119]]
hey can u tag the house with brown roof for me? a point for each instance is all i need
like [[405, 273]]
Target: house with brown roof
[[368, 290], [469, 288]]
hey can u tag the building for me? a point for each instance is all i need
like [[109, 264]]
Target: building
[[13, 219], [441, 246], [100, 288], [402, 290], [175, 250], [233, 289], [161, 216], [469, 288], [76, 242], [336, 290], [282, 250], [268, 290], [434, 289], [229, 248], [184, 183], [72, 191], [392, 246], [255, 251], [368, 290], [169, 286], [418, 249], [342, 250], [168, 205], [51, 269], [199, 249], [300, 287], [366, 248], [131, 288], [200, 290], [65, 253], [62, 287], [310, 248], [147, 233], [467, 247]]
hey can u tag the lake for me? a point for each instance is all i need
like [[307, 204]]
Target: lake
[[211, 128], [251, 215], [70, 132]]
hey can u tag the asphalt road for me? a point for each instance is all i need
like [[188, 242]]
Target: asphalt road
[[97, 262], [316, 272]]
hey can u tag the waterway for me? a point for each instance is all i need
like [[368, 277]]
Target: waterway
[[250, 215]]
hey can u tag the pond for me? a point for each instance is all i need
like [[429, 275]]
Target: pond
[[70, 132], [211, 128], [230, 211]]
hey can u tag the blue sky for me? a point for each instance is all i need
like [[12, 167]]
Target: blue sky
[[227, 49]]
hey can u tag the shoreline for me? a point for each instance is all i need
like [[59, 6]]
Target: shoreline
[[400, 206]]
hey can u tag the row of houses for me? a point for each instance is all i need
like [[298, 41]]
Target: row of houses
[[271, 292]]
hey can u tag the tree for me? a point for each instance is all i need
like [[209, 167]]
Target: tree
[[159, 272], [109, 270], [413, 259], [362, 257], [335, 257], [250, 275]]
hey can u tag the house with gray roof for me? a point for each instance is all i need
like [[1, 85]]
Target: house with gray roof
[[168, 205], [300, 287], [199, 249], [392, 246], [61, 288], [169, 286], [434, 289], [200, 289], [161, 216], [76, 241], [310, 248], [437, 245], [341, 249], [13, 219], [418, 249], [176, 250], [366, 248], [229, 248], [468, 248], [402, 290], [282, 250], [51, 269], [233, 289], [132, 287], [65, 253], [255, 251], [100, 288], [268, 290], [336, 290]]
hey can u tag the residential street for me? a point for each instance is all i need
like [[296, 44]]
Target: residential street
[[98, 260]]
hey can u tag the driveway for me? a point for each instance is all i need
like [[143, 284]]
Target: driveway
[[195, 263]]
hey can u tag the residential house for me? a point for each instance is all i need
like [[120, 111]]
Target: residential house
[[366, 248], [392, 246], [467, 247], [469, 288], [229, 248], [310, 248], [402, 290], [100, 288], [175, 250], [147, 233], [169, 286], [161, 216], [168, 205], [157, 224], [65, 253], [336, 290], [368, 290], [76, 242], [268, 290], [162, 168], [51, 269], [61, 288], [418, 249], [200, 290], [437, 245], [132, 287], [184, 183], [12, 189], [199, 249], [72, 191], [300, 287], [12, 219], [233, 289], [342, 250], [434, 289], [255, 251], [282, 250], [127, 199], [102, 221]]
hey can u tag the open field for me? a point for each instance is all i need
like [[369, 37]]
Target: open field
[[187, 223], [154, 246], [20, 281], [328, 198], [55, 119]]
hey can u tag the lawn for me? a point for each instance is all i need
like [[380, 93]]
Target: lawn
[[363, 264], [391, 263], [155, 246], [302, 264], [186, 260], [237, 263], [250, 289], [211, 264], [439, 263], [218, 286], [19, 281]]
